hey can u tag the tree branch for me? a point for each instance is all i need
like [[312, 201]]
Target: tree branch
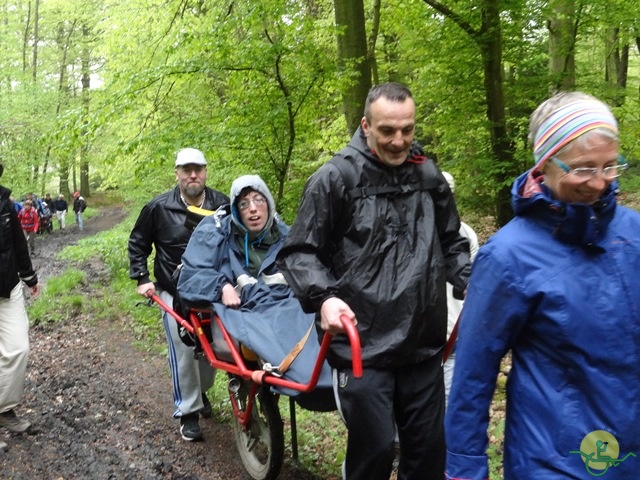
[[451, 15]]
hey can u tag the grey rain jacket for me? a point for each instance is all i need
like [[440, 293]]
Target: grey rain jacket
[[387, 256], [161, 224]]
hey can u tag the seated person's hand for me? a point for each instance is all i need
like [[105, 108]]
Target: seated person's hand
[[230, 297], [331, 311]]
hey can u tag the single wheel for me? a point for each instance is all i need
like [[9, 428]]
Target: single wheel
[[261, 445]]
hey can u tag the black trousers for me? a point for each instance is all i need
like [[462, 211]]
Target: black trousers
[[409, 401]]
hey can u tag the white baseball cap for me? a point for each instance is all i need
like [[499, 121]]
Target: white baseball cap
[[190, 155]]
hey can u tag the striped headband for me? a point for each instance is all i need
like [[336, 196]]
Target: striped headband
[[568, 123]]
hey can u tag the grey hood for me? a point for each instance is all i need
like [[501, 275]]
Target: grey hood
[[255, 183]]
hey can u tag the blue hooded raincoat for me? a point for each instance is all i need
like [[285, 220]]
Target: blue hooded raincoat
[[559, 286]]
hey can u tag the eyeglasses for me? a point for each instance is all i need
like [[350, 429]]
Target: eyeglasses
[[258, 201], [587, 173]]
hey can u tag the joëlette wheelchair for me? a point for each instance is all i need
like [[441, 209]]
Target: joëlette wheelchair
[[258, 426]]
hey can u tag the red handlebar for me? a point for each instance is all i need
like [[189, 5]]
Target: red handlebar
[[170, 311], [354, 341]]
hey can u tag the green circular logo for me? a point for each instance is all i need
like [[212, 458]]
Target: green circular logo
[[600, 447]]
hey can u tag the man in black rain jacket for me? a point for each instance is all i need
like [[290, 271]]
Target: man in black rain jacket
[[375, 240]]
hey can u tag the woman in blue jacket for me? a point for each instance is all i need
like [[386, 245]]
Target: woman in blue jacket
[[558, 286]]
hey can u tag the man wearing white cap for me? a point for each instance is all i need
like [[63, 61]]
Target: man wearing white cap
[[161, 224]]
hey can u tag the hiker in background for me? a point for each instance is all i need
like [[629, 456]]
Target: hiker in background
[[30, 222], [61, 206], [50, 201], [79, 206], [46, 222], [36, 203], [558, 287], [17, 206]]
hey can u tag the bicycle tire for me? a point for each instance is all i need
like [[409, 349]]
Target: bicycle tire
[[261, 446]]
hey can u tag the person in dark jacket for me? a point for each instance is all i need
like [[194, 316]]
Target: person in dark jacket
[[558, 288], [16, 268], [375, 239], [50, 201], [61, 206], [161, 224], [79, 206]]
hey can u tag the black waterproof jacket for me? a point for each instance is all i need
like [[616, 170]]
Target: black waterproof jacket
[[15, 263], [387, 255], [161, 223]]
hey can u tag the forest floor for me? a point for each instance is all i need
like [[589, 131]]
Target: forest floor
[[101, 407]]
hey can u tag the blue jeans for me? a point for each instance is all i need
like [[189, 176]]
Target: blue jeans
[[79, 220]]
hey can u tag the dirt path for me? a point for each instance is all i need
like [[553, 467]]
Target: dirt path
[[100, 408]]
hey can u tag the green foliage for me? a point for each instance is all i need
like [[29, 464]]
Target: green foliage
[[110, 246], [256, 86], [59, 300], [322, 440]]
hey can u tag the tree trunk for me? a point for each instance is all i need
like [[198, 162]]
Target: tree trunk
[[86, 83], [501, 145], [352, 57], [371, 49], [64, 38], [25, 39], [489, 41], [617, 66], [563, 27], [36, 40]]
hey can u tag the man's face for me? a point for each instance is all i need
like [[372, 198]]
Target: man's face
[[254, 211], [390, 129], [598, 152], [191, 179]]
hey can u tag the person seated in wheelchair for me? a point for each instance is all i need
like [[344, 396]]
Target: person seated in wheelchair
[[230, 263]]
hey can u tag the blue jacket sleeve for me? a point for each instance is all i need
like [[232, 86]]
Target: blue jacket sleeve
[[205, 264], [494, 312]]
